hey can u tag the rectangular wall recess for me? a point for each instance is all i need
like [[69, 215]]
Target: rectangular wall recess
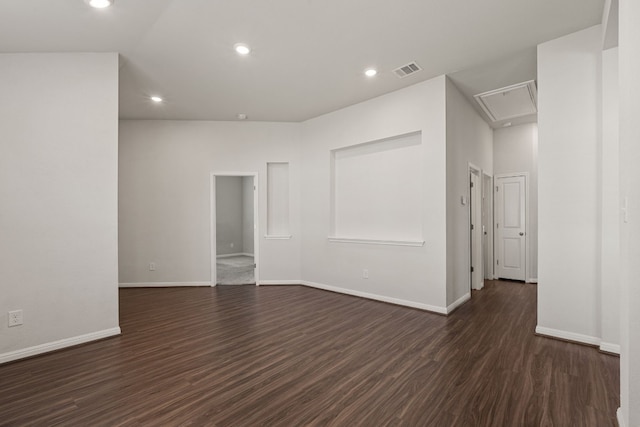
[[377, 191], [278, 201]]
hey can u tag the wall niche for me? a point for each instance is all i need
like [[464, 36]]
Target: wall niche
[[377, 192]]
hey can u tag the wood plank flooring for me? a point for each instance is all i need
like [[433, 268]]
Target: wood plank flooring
[[294, 356]]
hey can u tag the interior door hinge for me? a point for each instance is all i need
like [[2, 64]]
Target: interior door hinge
[[472, 226], [497, 262], [472, 185], [497, 189], [472, 269]]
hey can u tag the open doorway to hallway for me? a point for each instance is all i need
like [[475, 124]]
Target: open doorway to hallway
[[515, 167], [234, 219]]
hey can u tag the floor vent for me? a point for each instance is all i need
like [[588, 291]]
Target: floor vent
[[407, 70]]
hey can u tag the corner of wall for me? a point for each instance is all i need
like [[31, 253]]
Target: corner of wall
[[51, 164], [469, 140]]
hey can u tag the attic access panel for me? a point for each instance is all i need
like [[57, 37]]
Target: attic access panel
[[509, 102]]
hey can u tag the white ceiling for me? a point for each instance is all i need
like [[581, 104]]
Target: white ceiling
[[308, 55], [516, 68]]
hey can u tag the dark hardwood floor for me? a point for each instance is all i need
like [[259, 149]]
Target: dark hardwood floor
[[294, 356]]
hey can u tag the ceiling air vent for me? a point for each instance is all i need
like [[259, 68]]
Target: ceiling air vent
[[509, 102], [407, 70]]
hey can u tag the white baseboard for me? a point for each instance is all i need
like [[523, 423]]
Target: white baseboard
[[229, 255], [569, 336], [421, 306], [57, 345], [579, 338], [620, 418], [163, 284], [532, 280], [236, 254], [610, 348], [280, 282], [466, 297]]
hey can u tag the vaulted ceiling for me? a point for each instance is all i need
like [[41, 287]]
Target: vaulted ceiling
[[308, 56]]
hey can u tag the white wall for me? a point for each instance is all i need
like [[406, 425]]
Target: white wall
[[409, 275], [469, 140], [374, 188], [568, 186], [610, 205], [164, 191], [515, 149], [247, 215], [229, 215], [629, 63], [58, 186]]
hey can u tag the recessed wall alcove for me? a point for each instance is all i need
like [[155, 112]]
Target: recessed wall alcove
[[376, 192]]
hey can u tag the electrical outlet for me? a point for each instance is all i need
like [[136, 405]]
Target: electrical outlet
[[152, 266], [365, 274], [15, 318]]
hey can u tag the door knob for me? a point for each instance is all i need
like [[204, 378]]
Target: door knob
[[521, 233]]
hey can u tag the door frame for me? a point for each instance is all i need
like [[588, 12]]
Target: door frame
[[474, 170], [527, 216], [487, 201], [212, 223]]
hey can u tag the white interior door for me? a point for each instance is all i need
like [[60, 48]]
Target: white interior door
[[510, 212], [476, 231], [487, 225]]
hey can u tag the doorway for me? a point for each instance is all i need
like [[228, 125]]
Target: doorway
[[234, 229], [511, 226], [475, 229], [487, 225]]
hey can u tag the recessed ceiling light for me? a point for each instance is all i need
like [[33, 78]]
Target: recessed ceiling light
[[100, 4], [242, 116], [242, 48], [370, 72], [506, 125], [156, 99]]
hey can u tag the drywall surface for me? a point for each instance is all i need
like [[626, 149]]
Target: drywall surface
[[610, 196], [568, 186], [58, 186], [401, 273], [469, 140], [629, 63], [229, 215], [374, 187], [515, 149], [165, 174]]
